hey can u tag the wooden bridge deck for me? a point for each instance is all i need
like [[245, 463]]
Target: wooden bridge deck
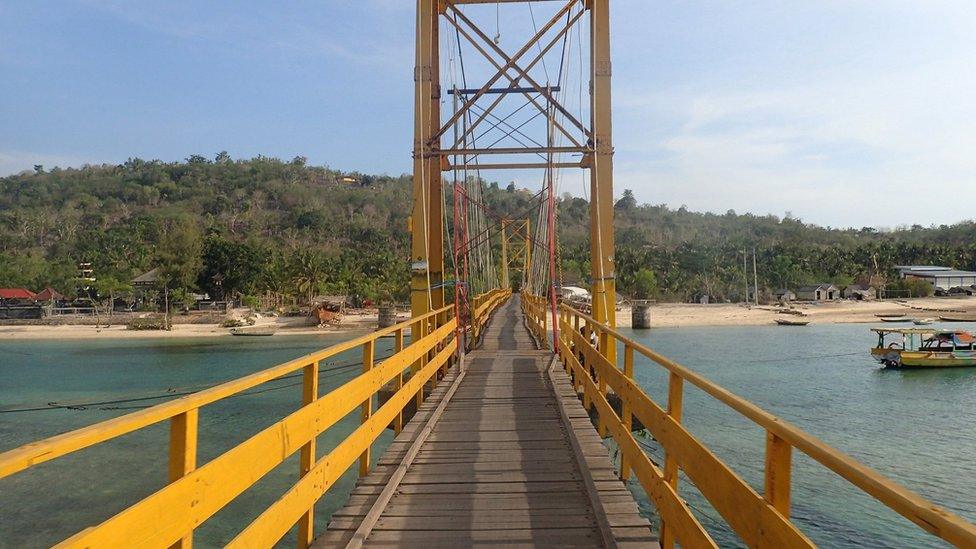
[[505, 455]]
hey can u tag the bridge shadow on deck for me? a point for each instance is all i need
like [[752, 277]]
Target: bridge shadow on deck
[[499, 467]]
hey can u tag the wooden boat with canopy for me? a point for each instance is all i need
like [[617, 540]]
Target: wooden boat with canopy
[[924, 348]]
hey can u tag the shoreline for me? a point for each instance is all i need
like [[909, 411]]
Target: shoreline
[[687, 315], [663, 315], [284, 326]]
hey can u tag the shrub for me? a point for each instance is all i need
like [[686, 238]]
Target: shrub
[[150, 323]]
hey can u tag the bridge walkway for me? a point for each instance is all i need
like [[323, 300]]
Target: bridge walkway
[[502, 453]]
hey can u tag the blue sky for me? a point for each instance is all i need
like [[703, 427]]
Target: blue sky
[[841, 112]]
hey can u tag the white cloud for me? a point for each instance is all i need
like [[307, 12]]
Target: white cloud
[[846, 148]]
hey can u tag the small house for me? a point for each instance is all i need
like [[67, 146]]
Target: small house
[[818, 292], [16, 296], [783, 294], [19, 303], [147, 280], [860, 292], [49, 295]]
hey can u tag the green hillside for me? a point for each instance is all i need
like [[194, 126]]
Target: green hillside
[[268, 226]]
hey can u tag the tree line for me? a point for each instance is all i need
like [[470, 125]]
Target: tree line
[[287, 229]]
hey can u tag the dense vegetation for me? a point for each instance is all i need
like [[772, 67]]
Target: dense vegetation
[[286, 229]]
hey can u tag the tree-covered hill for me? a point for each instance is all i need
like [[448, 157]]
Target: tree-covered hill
[[266, 226]]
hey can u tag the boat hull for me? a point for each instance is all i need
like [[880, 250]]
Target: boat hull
[[895, 358], [782, 322], [253, 332]]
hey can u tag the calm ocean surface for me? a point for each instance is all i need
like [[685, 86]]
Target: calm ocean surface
[[917, 427]]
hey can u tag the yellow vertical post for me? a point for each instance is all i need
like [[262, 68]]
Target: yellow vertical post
[[426, 226], [779, 455], [419, 399], [604, 289], [504, 260], [397, 347], [367, 407], [604, 339], [310, 392], [528, 260], [183, 455], [625, 412], [675, 397]]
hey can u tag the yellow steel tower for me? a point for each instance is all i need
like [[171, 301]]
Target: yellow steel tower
[[514, 73]]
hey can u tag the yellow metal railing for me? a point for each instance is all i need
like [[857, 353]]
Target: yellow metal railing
[[483, 305], [536, 310], [194, 494], [760, 520]]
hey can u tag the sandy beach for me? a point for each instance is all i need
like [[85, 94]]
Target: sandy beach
[[663, 315], [676, 315], [358, 322]]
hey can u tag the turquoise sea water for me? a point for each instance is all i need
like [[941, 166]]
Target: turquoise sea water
[[50, 502], [917, 427]]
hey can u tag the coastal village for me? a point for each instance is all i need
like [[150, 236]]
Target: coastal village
[[140, 307]]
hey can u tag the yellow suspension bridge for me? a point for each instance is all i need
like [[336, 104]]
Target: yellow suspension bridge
[[502, 404]]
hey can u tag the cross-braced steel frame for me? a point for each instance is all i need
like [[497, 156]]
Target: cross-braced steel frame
[[437, 149]]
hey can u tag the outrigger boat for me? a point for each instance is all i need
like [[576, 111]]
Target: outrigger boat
[[895, 319], [785, 322], [924, 348], [253, 331]]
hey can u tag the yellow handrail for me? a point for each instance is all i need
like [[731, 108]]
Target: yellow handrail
[[194, 494], [536, 317], [758, 519], [34, 453], [484, 305]]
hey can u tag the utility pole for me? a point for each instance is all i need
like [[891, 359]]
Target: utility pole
[[745, 276], [755, 277]]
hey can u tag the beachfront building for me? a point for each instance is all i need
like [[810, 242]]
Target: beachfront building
[[861, 292], [942, 278], [785, 295], [19, 303], [818, 292], [16, 296]]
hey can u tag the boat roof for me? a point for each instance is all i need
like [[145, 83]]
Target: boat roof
[[918, 331], [905, 330]]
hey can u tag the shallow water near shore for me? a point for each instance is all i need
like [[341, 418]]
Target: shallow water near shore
[[917, 427]]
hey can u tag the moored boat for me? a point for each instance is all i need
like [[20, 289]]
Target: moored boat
[[924, 348], [895, 319], [253, 331], [923, 321], [787, 322], [957, 318]]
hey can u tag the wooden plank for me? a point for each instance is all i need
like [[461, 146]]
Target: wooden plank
[[498, 468], [617, 511], [272, 524], [397, 476]]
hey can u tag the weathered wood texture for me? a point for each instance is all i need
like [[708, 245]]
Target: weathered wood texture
[[512, 460]]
